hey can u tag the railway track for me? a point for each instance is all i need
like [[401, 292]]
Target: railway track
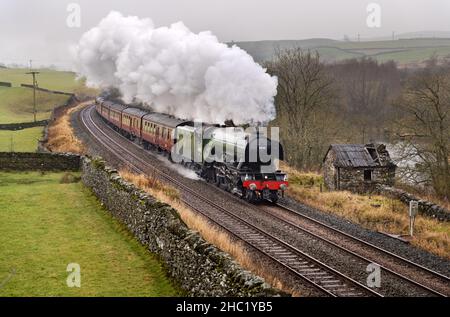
[[317, 274], [407, 267], [427, 275]]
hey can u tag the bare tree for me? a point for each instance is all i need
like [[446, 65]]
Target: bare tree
[[425, 126], [304, 96], [365, 89]]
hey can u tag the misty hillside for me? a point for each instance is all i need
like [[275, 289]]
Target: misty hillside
[[406, 52]]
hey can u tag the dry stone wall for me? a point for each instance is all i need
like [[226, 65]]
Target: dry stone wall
[[198, 267], [39, 161], [425, 207]]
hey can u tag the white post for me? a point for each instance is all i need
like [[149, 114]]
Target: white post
[[411, 230], [413, 209]]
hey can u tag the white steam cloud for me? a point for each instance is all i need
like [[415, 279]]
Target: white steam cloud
[[175, 71]]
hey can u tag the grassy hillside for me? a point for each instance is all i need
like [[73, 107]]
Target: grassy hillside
[[403, 51], [50, 79], [20, 141], [46, 224], [16, 103]]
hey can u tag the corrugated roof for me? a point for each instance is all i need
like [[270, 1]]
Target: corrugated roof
[[352, 155]]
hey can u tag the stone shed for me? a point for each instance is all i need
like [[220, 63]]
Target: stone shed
[[358, 167]]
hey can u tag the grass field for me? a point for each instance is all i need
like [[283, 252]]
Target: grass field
[[20, 141], [403, 51], [412, 56], [46, 224], [50, 79], [16, 103]]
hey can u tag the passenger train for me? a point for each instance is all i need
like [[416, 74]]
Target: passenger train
[[241, 162]]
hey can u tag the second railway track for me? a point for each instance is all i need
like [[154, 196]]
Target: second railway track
[[428, 276], [430, 281]]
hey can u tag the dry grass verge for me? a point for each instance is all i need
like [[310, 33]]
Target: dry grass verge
[[373, 212], [209, 232], [61, 137]]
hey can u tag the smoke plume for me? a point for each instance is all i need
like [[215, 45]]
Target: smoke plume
[[175, 71]]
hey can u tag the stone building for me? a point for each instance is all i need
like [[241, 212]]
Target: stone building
[[358, 167]]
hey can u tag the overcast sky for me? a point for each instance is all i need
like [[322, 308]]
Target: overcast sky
[[37, 29]]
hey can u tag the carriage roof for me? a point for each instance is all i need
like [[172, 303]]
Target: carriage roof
[[164, 119]]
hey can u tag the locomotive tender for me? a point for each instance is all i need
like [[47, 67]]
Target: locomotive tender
[[240, 161]]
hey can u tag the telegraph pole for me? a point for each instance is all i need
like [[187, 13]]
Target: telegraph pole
[[34, 73]]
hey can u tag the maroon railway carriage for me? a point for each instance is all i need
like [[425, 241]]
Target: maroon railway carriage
[[115, 113], [158, 129], [132, 122], [102, 107], [105, 105]]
